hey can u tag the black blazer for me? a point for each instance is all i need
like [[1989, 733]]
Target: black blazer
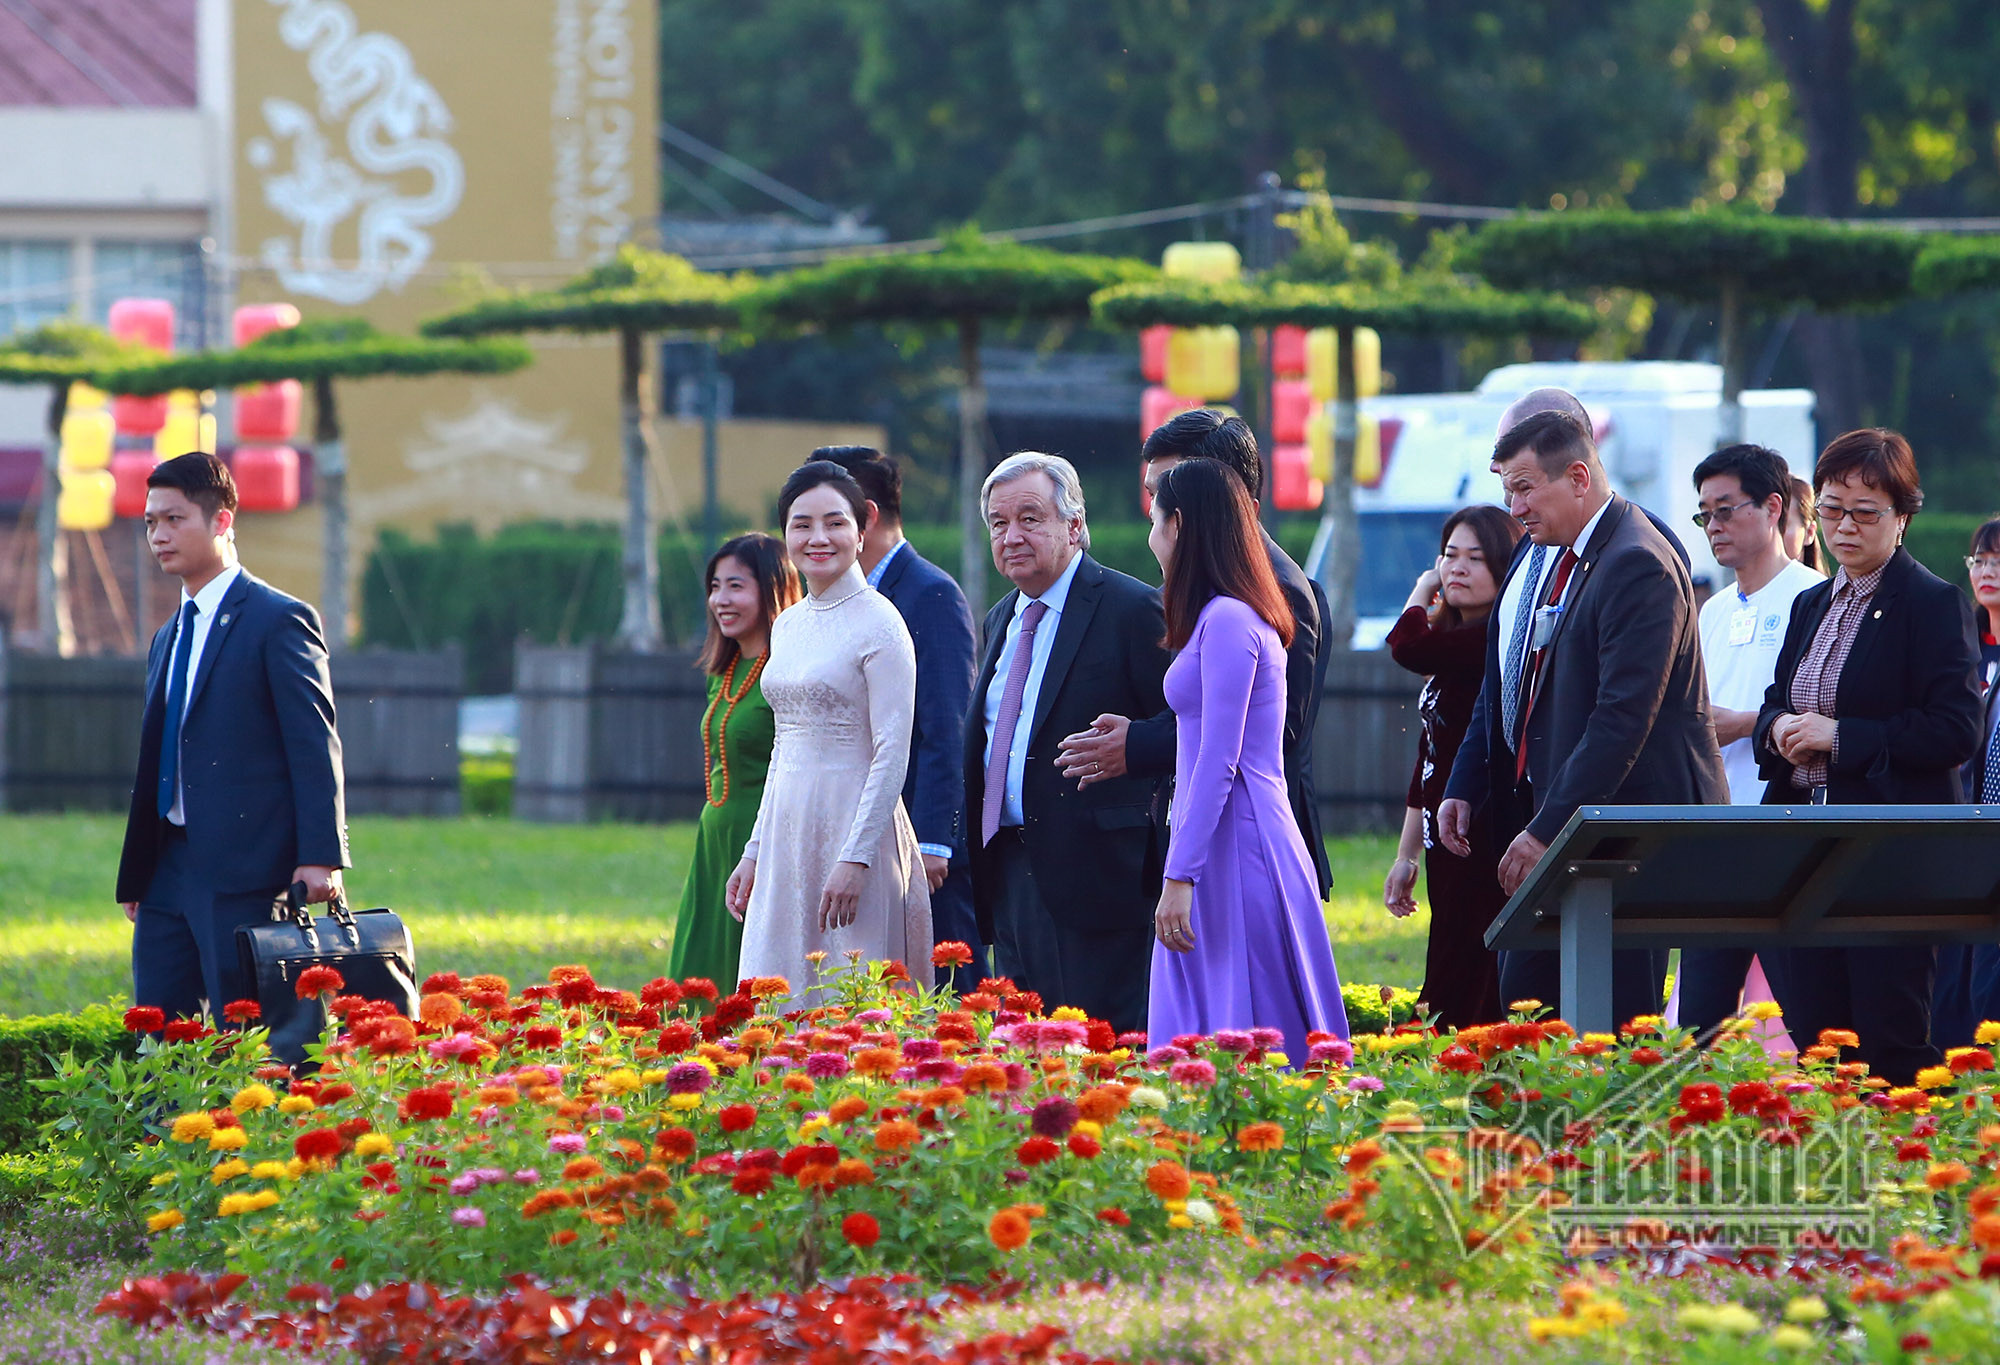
[[1908, 698], [261, 782], [1149, 744], [940, 623], [1096, 852], [1623, 716]]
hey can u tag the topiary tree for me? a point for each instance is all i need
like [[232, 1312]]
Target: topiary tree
[[1415, 306], [969, 282], [1957, 265], [317, 353], [57, 354], [1734, 261], [636, 293]]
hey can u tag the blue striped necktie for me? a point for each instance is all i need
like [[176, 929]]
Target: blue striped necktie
[[1512, 666], [170, 737]]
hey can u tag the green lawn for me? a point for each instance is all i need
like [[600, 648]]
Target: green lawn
[[496, 896]]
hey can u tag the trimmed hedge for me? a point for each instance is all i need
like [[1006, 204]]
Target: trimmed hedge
[[556, 583], [1446, 307], [327, 348], [26, 1047]]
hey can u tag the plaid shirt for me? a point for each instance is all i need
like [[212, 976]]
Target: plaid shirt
[[1817, 682]]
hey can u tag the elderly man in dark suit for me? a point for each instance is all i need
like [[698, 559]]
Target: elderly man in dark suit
[[940, 622], [1594, 691], [1064, 877], [1115, 744], [239, 790]]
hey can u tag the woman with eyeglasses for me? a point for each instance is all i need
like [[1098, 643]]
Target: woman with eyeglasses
[[1875, 702], [1983, 566], [1968, 988]]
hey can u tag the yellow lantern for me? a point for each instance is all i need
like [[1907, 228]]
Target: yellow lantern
[[82, 395], [1319, 443], [1210, 262], [1323, 350], [1204, 362], [85, 501], [87, 438], [188, 427], [1367, 448]]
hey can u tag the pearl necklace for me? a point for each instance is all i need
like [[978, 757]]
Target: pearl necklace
[[721, 749]]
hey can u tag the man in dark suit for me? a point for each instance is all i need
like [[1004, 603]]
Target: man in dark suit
[[239, 785], [940, 622], [1115, 744], [1065, 878], [1594, 691]]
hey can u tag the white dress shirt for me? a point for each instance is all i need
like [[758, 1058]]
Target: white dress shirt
[[1045, 639], [207, 603], [1510, 598]]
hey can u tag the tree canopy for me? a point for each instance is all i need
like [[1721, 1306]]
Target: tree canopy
[[63, 349], [1415, 307], [1958, 265], [652, 291], [325, 348]]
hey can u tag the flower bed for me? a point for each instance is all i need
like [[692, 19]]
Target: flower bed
[[600, 1141]]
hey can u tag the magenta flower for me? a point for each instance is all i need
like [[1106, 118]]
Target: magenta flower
[[922, 1049], [464, 1184], [567, 1144], [1267, 1038], [1061, 1033], [527, 1175], [689, 1078], [1194, 1071], [1339, 1052], [1364, 1083], [467, 1216], [1054, 1117], [821, 1066], [1235, 1040], [942, 1071], [1165, 1056]]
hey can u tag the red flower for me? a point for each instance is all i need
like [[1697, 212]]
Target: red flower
[[1460, 1059], [951, 953], [185, 1031], [735, 1009], [381, 1176], [699, 986], [445, 983], [861, 1229], [1036, 1150], [393, 1036], [675, 1144], [427, 1102], [1647, 1056], [1913, 1151], [320, 1144], [734, 1118], [145, 1019], [242, 1011], [577, 989], [751, 1182], [1084, 1145], [541, 1038], [676, 1038], [319, 980], [660, 991], [1702, 1102], [1745, 1096], [1118, 1218]]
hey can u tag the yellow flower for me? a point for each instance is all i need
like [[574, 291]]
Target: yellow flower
[[167, 1218], [233, 1204], [228, 1140], [1727, 1319], [270, 1170], [373, 1145], [193, 1127], [1764, 1009], [295, 1168], [1277, 1059], [1790, 1338], [1805, 1310], [1545, 1329], [653, 1077], [1604, 1313], [1931, 1077], [1180, 1220], [811, 1126], [296, 1104], [1989, 1033], [228, 1170], [251, 1097], [1071, 1014], [163, 1178], [1607, 1039], [622, 1081], [1174, 1205], [1089, 1128], [683, 1101], [1524, 1006]]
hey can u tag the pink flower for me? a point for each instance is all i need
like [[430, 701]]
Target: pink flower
[[1061, 1033], [1338, 1051], [821, 1066], [688, 1078], [1195, 1071], [467, 1216], [943, 1071], [872, 1017], [572, 1144], [922, 1049], [527, 1175], [1234, 1040], [1363, 1083], [1267, 1038], [457, 1046], [465, 1183], [1165, 1056]]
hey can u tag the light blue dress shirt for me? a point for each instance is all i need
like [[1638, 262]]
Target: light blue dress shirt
[[875, 581], [1045, 640]]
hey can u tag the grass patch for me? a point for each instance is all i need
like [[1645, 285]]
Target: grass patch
[[493, 895]]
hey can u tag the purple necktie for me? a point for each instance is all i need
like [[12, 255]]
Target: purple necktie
[[1004, 723]]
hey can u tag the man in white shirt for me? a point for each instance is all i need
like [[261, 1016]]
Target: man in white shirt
[[1743, 491]]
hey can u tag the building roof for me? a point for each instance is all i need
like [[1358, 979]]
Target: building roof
[[117, 54]]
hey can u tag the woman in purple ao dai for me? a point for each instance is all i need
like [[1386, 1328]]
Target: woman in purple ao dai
[[1242, 944]]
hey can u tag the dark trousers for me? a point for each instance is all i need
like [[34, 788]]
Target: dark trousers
[[184, 940], [1638, 980], [1882, 994], [1103, 973], [1711, 985], [952, 918]]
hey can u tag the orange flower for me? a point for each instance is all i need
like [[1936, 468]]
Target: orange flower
[[1168, 1180], [984, 1076], [877, 1061], [1102, 1104], [802, 1084], [1261, 1137], [897, 1134], [583, 1168], [1943, 1175], [440, 1010], [847, 1108], [502, 1095], [674, 1144], [1838, 1037], [1363, 1155], [765, 987], [1010, 1229], [1986, 1231], [853, 1171]]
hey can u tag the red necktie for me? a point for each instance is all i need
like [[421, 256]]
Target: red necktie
[[1564, 566]]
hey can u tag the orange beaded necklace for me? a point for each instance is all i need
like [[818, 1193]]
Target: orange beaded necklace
[[720, 754]]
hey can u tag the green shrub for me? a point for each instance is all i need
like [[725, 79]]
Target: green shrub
[[26, 1048], [1941, 540], [1377, 1009], [25, 1177], [486, 785]]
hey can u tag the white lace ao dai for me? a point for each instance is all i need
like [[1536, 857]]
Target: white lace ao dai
[[842, 684]]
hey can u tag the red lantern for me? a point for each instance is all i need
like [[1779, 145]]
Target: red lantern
[[1153, 353], [1288, 351], [1157, 405], [129, 469], [267, 478], [150, 322], [252, 320], [269, 412], [1293, 488], [1291, 409], [137, 416]]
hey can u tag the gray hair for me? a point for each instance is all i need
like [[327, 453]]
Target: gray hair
[[1069, 488]]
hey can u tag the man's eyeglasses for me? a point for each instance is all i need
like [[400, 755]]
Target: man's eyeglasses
[[1721, 515], [1978, 563], [1829, 517]]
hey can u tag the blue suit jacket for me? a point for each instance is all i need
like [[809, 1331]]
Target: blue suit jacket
[[260, 760], [940, 622]]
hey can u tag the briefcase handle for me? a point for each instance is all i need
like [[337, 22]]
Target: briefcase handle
[[299, 912]]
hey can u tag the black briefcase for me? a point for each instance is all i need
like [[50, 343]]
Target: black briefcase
[[371, 949]]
